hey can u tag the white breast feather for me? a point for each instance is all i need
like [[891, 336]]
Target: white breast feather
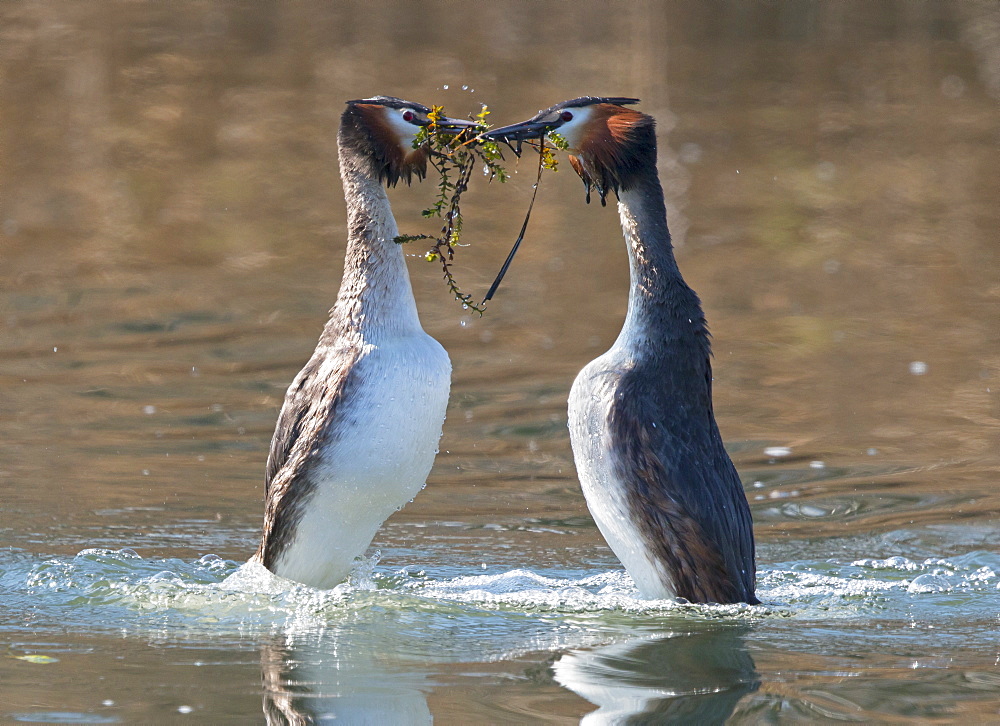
[[387, 436]]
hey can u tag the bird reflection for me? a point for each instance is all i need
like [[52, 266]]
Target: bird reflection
[[311, 685], [685, 677]]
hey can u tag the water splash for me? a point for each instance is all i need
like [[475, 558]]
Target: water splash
[[104, 588]]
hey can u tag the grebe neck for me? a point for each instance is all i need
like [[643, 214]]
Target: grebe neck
[[375, 293], [662, 309]]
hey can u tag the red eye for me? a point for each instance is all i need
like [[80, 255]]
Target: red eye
[[566, 116], [407, 115]]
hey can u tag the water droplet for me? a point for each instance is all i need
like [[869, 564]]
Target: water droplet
[[918, 368], [465, 88], [777, 451], [445, 86], [149, 410]]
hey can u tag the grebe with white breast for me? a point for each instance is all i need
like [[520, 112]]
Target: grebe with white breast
[[657, 479], [360, 425]]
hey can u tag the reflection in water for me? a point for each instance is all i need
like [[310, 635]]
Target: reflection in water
[[304, 685], [375, 649], [682, 677]]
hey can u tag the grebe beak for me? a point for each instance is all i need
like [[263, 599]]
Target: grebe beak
[[514, 134], [530, 129], [455, 125]]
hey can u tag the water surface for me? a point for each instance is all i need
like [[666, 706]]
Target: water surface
[[172, 231]]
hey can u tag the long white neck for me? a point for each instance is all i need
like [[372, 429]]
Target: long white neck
[[375, 293]]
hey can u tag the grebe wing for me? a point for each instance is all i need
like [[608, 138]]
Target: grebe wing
[[683, 489], [310, 406]]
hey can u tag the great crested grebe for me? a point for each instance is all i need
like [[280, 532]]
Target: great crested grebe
[[657, 479], [360, 425]]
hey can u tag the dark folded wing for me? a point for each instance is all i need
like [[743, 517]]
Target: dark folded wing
[[306, 423], [298, 401], [684, 492]]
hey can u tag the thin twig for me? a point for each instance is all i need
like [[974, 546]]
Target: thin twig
[[524, 227]]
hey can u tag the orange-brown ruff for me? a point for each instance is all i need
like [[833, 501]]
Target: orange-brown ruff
[[651, 461], [613, 148]]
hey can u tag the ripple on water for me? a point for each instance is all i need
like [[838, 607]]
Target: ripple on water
[[74, 717], [101, 588], [893, 586]]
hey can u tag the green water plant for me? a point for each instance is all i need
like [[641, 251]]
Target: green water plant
[[454, 157]]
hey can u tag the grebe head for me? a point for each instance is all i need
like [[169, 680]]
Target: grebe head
[[610, 144], [382, 131]]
